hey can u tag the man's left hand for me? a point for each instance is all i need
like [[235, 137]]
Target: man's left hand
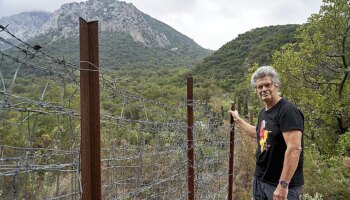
[[280, 193]]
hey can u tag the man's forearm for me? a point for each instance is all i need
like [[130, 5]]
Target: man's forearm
[[246, 127], [291, 160]]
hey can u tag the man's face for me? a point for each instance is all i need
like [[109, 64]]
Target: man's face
[[266, 90]]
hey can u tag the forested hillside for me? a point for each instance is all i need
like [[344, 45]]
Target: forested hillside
[[118, 50], [229, 65]]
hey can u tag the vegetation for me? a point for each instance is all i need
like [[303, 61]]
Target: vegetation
[[313, 60], [315, 75], [119, 50], [229, 65]]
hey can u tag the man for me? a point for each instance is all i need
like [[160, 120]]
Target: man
[[279, 133]]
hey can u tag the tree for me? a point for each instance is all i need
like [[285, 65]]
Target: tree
[[315, 74]]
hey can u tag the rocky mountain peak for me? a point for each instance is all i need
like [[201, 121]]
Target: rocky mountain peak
[[112, 15], [25, 25], [130, 37]]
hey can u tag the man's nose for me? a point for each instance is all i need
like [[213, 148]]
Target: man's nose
[[265, 88]]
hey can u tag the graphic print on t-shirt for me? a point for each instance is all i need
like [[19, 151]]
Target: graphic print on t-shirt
[[264, 134]]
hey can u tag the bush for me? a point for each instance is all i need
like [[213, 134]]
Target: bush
[[329, 175], [317, 196]]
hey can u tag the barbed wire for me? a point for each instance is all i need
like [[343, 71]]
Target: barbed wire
[[38, 53], [144, 142], [34, 164]]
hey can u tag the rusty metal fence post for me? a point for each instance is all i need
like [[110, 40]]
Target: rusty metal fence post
[[90, 111], [231, 160], [190, 146]]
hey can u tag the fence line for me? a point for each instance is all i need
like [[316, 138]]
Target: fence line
[[143, 141]]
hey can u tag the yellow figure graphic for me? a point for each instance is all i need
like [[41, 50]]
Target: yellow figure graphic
[[263, 135]]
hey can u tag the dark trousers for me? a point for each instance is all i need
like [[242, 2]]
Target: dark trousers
[[264, 191]]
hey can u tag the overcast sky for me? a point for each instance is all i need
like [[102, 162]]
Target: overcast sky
[[210, 23]]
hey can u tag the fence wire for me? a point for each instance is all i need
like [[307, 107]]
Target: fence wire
[[144, 142], [39, 124]]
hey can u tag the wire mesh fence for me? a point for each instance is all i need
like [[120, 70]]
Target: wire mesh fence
[[143, 142], [39, 148]]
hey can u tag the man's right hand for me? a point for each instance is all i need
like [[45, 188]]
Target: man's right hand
[[234, 114], [245, 126]]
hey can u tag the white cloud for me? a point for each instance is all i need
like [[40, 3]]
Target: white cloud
[[211, 23]]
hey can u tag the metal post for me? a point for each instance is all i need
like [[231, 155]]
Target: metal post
[[190, 150], [90, 111], [232, 146]]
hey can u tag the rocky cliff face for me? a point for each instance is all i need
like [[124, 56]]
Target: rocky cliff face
[[129, 37], [112, 15], [25, 25]]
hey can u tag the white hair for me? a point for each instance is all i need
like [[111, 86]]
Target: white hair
[[264, 71]]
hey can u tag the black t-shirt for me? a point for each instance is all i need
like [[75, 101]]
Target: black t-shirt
[[281, 117]]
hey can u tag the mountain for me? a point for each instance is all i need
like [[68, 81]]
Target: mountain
[[229, 64], [25, 25], [128, 37]]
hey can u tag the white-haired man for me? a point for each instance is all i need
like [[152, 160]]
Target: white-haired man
[[279, 133]]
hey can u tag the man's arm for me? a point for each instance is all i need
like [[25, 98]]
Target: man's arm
[[245, 126], [291, 159]]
